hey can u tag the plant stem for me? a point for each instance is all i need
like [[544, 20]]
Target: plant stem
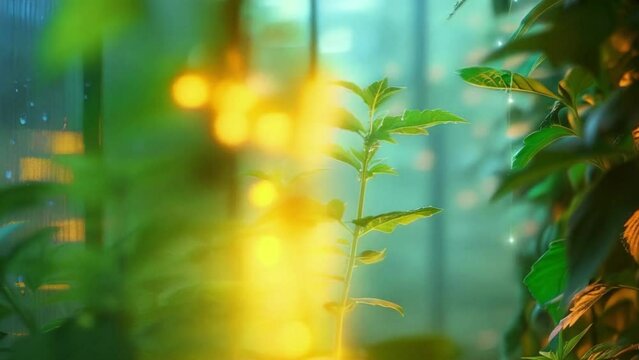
[[352, 257]]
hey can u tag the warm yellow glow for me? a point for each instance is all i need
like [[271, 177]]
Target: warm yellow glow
[[231, 129], [293, 340], [268, 250], [263, 193], [39, 169], [232, 102], [315, 116], [54, 287], [273, 131], [66, 142], [190, 91], [70, 230]]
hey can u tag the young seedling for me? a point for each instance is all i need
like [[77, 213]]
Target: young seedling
[[373, 134]]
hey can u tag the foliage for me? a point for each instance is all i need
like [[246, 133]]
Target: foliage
[[583, 143], [363, 160]]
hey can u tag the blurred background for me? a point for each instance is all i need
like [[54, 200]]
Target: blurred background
[[110, 79]]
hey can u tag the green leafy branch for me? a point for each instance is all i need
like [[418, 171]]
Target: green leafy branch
[[363, 160]]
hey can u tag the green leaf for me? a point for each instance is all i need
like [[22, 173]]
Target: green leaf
[[415, 122], [368, 257], [504, 80], [348, 121], [546, 280], [335, 209], [25, 195], [382, 169], [575, 83], [338, 153], [570, 344], [560, 155], [536, 141], [598, 222], [355, 89], [379, 302], [533, 15], [389, 221]]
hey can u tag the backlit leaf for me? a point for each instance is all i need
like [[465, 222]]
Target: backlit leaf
[[355, 89], [389, 221], [382, 169], [582, 302], [348, 121], [415, 122], [379, 302], [338, 153], [536, 141], [504, 80], [335, 209], [631, 235], [368, 257]]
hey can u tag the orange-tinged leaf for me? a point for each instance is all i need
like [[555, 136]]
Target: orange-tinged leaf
[[631, 235], [582, 302]]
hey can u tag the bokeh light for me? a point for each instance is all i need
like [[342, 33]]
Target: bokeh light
[[263, 193], [191, 91], [273, 131]]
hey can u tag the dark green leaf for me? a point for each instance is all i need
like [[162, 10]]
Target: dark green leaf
[[597, 224], [546, 280], [619, 115], [570, 344], [389, 221], [368, 257], [575, 83], [379, 302], [533, 15], [574, 35], [560, 155], [504, 80], [536, 141]]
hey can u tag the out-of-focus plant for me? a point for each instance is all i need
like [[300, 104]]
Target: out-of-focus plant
[[372, 133], [581, 165]]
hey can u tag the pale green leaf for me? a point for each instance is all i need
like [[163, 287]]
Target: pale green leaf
[[338, 153], [335, 209], [348, 121], [536, 142], [368, 257], [355, 89], [379, 302], [389, 221], [382, 169], [505, 80]]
